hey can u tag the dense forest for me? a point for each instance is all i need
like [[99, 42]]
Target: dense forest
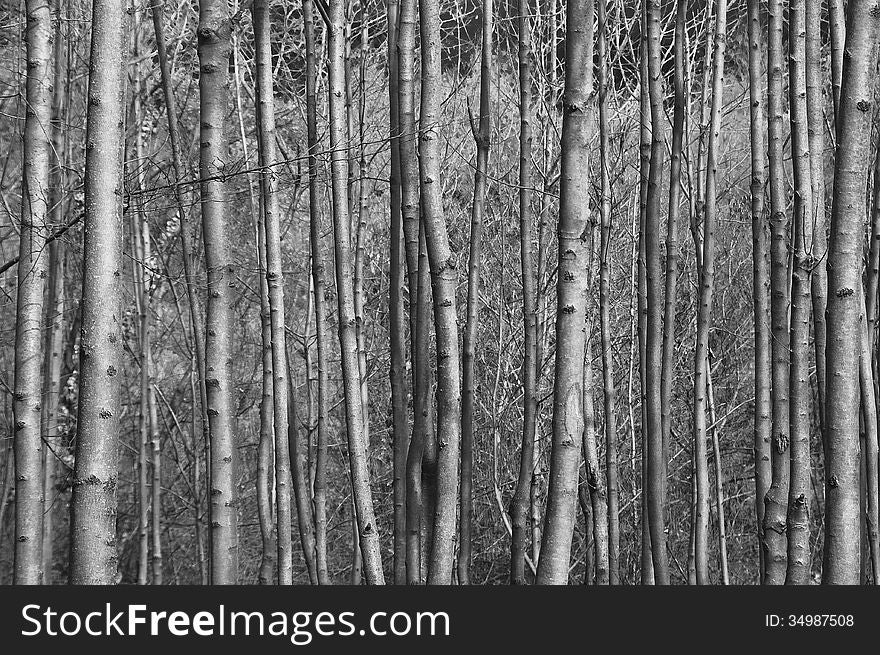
[[439, 292]]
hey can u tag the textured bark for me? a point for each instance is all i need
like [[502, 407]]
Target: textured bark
[[760, 274], [397, 317], [647, 562], [417, 280], [275, 283], [213, 51], [443, 283], [139, 240], [519, 506], [266, 448], [594, 479], [844, 273], [869, 475], [32, 264], [815, 84], [776, 500], [704, 310], [655, 485], [800, 408], [318, 273], [481, 129], [54, 325], [298, 447], [837, 32], [609, 394], [354, 415], [93, 555], [672, 224], [573, 223]]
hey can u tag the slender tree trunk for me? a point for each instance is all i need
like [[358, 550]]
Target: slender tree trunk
[[319, 284], [140, 277], [443, 283], [568, 419], [776, 500], [655, 486], [609, 393], [54, 343], [31, 282], [481, 130], [672, 247], [396, 315], [93, 555], [704, 310], [298, 447], [181, 197], [360, 226], [354, 415], [275, 278], [798, 521], [213, 50], [647, 561], [595, 482], [719, 480], [520, 503], [266, 453], [418, 279], [870, 451], [844, 264], [760, 275], [815, 85], [837, 30]]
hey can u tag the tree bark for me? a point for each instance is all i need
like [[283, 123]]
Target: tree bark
[[519, 507], [443, 284], [397, 277], [93, 556], [760, 275], [655, 485], [318, 273], [265, 95], [844, 264], [568, 419], [798, 520], [354, 415], [213, 51], [31, 282], [776, 500], [481, 130]]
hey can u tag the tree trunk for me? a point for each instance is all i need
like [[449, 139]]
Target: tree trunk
[[760, 275], [704, 310], [568, 420], [443, 284], [396, 315], [213, 51], [54, 344], [481, 129], [274, 275], [798, 520], [354, 415], [319, 284], [519, 506], [844, 274], [181, 197], [655, 485], [31, 282], [93, 555], [609, 393], [595, 482], [776, 500]]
